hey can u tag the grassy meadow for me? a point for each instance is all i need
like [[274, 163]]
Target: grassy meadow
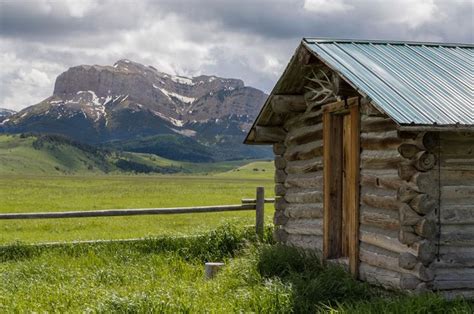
[[64, 193], [161, 269], [166, 275]]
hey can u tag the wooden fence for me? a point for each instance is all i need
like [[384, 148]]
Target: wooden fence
[[256, 204]]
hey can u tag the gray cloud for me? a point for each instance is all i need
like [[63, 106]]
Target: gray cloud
[[252, 40]]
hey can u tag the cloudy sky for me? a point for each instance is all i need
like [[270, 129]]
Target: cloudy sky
[[248, 39]]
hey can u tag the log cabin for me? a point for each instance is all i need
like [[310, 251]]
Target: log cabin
[[373, 145]]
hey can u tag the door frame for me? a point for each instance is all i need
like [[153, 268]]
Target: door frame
[[333, 193]]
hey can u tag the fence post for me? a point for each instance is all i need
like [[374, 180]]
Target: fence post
[[259, 210]]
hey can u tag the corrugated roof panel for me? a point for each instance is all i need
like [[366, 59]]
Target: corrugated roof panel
[[414, 83]]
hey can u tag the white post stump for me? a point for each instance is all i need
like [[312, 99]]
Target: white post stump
[[212, 268]]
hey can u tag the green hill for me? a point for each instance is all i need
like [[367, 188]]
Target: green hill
[[34, 155], [263, 169], [57, 155]]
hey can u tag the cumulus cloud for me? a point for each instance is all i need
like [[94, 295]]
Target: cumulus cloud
[[327, 6], [247, 39]]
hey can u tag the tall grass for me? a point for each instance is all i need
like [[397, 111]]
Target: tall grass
[[318, 287], [223, 242], [165, 275]]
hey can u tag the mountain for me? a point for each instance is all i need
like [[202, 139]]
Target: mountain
[[129, 104], [5, 113]]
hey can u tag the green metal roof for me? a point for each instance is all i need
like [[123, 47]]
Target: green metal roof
[[415, 83]]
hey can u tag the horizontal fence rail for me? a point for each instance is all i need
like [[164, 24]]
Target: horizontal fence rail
[[256, 204], [128, 212], [253, 200]]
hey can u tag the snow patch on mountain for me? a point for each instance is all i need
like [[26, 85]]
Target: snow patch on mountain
[[182, 80], [185, 99], [175, 122], [185, 132]]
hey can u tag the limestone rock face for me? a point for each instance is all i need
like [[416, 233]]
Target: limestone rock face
[[128, 100]]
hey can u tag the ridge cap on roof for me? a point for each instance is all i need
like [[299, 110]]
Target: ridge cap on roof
[[318, 40]]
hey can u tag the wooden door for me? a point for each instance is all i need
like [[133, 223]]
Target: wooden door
[[341, 182]]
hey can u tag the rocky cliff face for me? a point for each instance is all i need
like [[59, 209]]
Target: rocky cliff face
[[5, 113], [126, 101]]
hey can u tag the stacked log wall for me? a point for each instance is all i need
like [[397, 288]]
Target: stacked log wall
[[454, 266], [380, 248], [399, 197], [399, 201], [299, 181]]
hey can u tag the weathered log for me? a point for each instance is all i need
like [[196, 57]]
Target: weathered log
[[280, 162], [407, 260], [457, 176], [407, 236], [304, 166], [427, 141], [457, 235], [456, 256], [461, 214], [280, 203], [288, 103], [380, 140], [408, 217], [279, 218], [303, 196], [456, 195], [310, 242], [305, 151], [387, 260], [304, 226], [392, 181], [378, 201], [376, 159], [379, 218], [304, 210], [423, 204], [430, 141], [460, 274], [378, 257], [377, 124], [409, 281], [304, 134], [269, 134], [280, 176], [312, 117], [280, 189], [306, 180], [292, 120], [427, 182], [407, 192], [426, 228], [385, 242], [279, 148], [458, 147], [408, 150], [379, 276], [454, 285], [406, 170], [426, 251], [423, 272], [424, 161]]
